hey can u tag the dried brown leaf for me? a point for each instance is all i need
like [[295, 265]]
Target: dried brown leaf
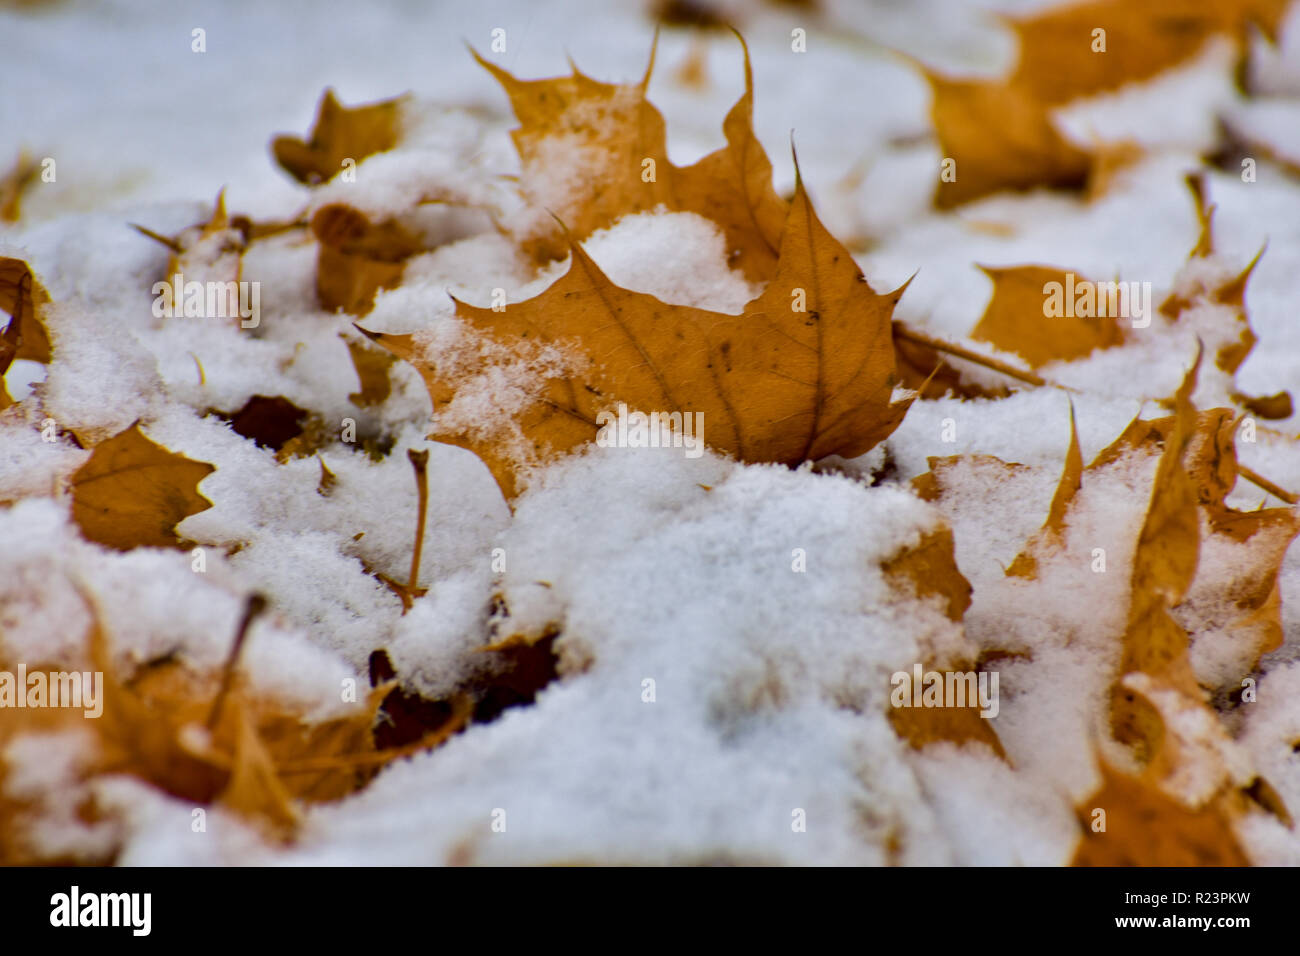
[[773, 384], [132, 492]]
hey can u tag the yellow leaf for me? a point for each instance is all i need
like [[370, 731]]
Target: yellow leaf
[[372, 365], [1060, 59], [358, 258], [253, 788], [606, 143], [931, 569], [340, 133], [1025, 564], [1144, 827], [926, 725], [1001, 132], [1164, 561], [25, 299], [132, 493], [1027, 151], [1016, 318], [773, 384]]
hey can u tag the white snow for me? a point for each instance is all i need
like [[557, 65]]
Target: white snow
[[770, 684]]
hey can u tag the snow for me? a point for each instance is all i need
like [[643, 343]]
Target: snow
[[770, 683]]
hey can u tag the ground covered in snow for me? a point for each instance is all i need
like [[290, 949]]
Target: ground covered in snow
[[771, 684]]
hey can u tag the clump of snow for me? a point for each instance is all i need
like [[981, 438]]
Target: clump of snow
[[679, 258], [682, 728]]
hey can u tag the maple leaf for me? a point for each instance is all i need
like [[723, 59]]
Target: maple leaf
[[1025, 564], [929, 568], [1059, 61], [1240, 608], [255, 756], [1156, 704], [1210, 459], [1015, 319], [1230, 292], [25, 299], [339, 133], [1144, 827], [773, 384], [593, 152], [1164, 565], [372, 365], [1237, 607], [1026, 152], [920, 726], [357, 258], [24, 336], [930, 485], [132, 492]]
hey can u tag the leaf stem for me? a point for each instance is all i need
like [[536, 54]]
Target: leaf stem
[[1267, 485], [409, 591], [939, 345], [255, 605], [420, 462]]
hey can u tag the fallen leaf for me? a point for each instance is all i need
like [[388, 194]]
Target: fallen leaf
[[373, 366], [358, 258], [339, 133], [930, 485], [1027, 152], [593, 152], [1025, 564], [1239, 606], [929, 569], [271, 421], [1017, 320], [253, 788], [920, 726], [1164, 564], [1210, 459], [1274, 407], [1231, 352], [1058, 62], [25, 299], [773, 384], [132, 492], [1144, 827]]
